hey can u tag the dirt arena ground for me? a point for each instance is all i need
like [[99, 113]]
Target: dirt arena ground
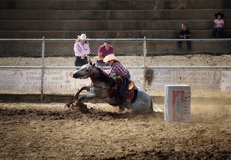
[[49, 131]]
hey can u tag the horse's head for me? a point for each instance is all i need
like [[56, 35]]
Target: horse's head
[[84, 72]]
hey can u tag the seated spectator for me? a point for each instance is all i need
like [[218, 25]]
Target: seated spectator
[[103, 51], [218, 24], [184, 34]]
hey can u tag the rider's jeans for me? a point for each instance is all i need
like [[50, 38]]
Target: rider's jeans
[[123, 87]]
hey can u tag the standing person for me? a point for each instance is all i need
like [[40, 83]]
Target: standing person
[[82, 49], [184, 34], [103, 51], [118, 69], [218, 24]]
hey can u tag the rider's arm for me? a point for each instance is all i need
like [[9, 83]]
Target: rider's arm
[[100, 57], [111, 71]]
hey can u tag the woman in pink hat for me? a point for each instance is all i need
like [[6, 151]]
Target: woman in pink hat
[[82, 49]]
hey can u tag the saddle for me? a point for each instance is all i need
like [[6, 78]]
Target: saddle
[[131, 91]]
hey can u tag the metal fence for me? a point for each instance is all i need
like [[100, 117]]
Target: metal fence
[[42, 66]]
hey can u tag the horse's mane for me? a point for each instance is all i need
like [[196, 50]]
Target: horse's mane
[[104, 77]]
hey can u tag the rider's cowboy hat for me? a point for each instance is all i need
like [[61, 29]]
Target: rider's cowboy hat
[[219, 13], [82, 37], [109, 57]]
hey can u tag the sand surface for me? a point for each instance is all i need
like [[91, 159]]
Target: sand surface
[[49, 131]]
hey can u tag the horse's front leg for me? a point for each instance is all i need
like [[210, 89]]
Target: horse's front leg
[[87, 96], [76, 96], [87, 88]]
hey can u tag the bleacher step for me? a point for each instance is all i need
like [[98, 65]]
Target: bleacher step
[[81, 25], [112, 4], [159, 34], [189, 14]]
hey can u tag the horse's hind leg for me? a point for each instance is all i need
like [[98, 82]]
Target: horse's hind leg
[[150, 108]]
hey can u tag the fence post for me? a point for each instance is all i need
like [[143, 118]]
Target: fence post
[[42, 70], [145, 67]]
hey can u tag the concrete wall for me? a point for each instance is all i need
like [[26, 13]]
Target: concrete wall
[[113, 5]]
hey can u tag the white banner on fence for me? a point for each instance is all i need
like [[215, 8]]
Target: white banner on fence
[[162, 77], [54, 80], [137, 75], [9, 80], [226, 81], [60, 80], [30, 80]]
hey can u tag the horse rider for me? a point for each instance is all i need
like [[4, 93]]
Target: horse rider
[[121, 71]]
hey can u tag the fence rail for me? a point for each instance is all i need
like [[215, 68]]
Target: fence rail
[[42, 66]]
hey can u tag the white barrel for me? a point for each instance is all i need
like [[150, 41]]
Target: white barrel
[[177, 103]]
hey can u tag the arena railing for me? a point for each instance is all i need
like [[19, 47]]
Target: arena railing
[[42, 66]]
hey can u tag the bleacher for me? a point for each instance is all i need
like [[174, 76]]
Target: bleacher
[[110, 18]]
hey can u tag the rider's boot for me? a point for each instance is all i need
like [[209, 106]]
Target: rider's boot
[[121, 108]]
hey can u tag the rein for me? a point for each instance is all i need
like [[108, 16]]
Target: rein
[[99, 87], [93, 85]]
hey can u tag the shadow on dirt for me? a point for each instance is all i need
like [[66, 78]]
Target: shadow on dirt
[[75, 112]]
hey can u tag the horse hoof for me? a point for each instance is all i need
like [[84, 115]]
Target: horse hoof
[[77, 103]]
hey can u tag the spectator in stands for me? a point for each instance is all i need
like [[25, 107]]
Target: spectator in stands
[[82, 49], [184, 34], [103, 51], [218, 24]]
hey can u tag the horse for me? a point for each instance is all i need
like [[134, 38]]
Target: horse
[[101, 85]]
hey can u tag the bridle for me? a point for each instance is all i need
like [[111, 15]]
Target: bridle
[[99, 87], [88, 72], [93, 85]]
